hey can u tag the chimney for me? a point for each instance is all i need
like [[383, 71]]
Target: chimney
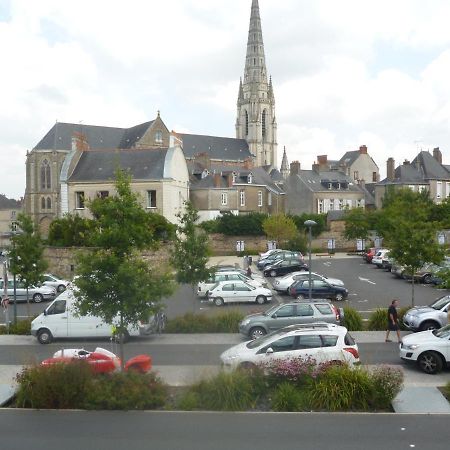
[[406, 162], [79, 142], [390, 169], [322, 160], [295, 168], [248, 163], [437, 155], [217, 177], [316, 168], [230, 179], [363, 150]]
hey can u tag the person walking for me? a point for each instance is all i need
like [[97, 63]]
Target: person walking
[[393, 321], [249, 272]]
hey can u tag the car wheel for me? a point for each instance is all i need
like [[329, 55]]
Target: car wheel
[[427, 279], [248, 366], [273, 273], [257, 332], [37, 298], [261, 299], [300, 297], [430, 362], [429, 325], [44, 336], [60, 288], [339, 297], [218, 301]]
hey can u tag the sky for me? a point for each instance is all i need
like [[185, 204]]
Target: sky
[[345, 73]]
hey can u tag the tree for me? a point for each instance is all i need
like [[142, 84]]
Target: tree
[[190, 252], [357, 224], [70, 231], [280, 228], [404, 222], [26, 253], [113, 281]]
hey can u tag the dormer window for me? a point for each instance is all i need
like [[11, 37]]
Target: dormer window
[[233, 175], [205, 173], [330, 185], [250, 178]]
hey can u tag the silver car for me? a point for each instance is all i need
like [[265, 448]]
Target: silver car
[[36, 294], [282, 284], [55, 282], [421, 318], [238, 291]]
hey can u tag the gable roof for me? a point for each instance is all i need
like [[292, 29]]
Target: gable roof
[[218, 148], [100, 165], [317, 181], [349, 158]]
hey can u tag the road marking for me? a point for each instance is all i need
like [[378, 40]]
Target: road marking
[[366, 279], [363, 301]]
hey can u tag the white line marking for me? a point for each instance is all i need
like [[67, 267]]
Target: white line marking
[[367, 280]]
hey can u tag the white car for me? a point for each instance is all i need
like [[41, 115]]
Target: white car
[[320, 341], [238, 291], [377, 259], [55, 282], [429, 349], [282, 284], [233, 275]]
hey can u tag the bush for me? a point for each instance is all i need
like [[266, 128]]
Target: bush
[[22, 327], [447, 390], [352, 319], [227, 322], [298, 244], [387, 383], [288, 397], [378, 320]]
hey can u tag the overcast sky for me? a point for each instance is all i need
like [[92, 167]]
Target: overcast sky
[[345, 73]]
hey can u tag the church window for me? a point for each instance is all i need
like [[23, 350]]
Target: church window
[[151, 199], [46, 182], [49, 203], [246, 123], [43, 203], [79, 200], [158, 137], [263, 121]]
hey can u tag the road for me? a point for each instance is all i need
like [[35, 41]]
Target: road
[[72, 430]]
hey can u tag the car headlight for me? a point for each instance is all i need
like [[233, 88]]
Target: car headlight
[[245, 322], [411, 347]]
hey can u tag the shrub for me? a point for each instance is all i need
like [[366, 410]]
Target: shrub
[[378, 320], [352, 319], [288, 397], [447, 390], [227, 322], [387, 383]]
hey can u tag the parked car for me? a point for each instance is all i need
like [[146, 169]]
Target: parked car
[[429, 349], [398, 270], [238, 291], [421, 318], [204, 286], [279, 316], [284, 266], [377, 259], [319, 289], [284, 254], [369, 254], [387, 262], [269, 252], [35, 293], [283, 284], [55, 282], [230, 268], [323, 342]]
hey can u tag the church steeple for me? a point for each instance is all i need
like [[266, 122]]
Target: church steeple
[[256, 102], [284, 169]]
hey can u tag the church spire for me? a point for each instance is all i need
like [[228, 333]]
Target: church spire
[[284, 169]]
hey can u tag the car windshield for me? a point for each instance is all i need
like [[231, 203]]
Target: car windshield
[[440, 303], [270, 311], [443, 332], [264, 339]]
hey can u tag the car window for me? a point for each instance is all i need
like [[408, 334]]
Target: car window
[[440, 303], [228, 287], [304, 310], [281, 345], [58, 307], [324, 309], [241, 287], [233, 276], [443, 333], [286, 311], [329, 340], [309, 341], [348, 339], [47, 278], [220, 278], [320, 283]]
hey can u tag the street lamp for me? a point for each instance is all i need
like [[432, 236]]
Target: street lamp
[[310, 224]]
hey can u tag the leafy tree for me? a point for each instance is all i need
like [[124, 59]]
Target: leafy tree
[[26, 252], [114, 282], [441, 213], [357, 224], [320, 219], [248, 224], [405, 224], [71, 230], [280, 228], [190, 252]]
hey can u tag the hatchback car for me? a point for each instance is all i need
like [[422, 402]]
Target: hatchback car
[[36, 294], [284, 266], [421, 318], [55, 282], [285, 254], [319, 289], [238, 291], [322, 342], [377, 259], [279, 316], [429, 349], [204, 286], [283, 284]]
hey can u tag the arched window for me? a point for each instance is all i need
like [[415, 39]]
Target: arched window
[[46, 181], [49, 203], [246, 123], [263, 122], [43, 203]]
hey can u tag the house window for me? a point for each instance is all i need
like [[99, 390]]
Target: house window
[[49, 203], [269, 198], [448, 190], [13, 214], [224, 198], [374, 177], [260, 198], [79, 200], [355, 175], [439, 189], [158, 137], [233, 177], [102, 194], [320, 206], [151, 199], [242, 197], [250, 178], [46, 181], [422, 188], [341, 204], [331, 204], [330, 185]]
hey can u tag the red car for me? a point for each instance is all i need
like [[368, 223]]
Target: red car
[[369, 254]]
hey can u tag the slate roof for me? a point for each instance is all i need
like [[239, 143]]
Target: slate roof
[[60, 136], [317, 181], [349, 157], [218, 148], [100, 165]]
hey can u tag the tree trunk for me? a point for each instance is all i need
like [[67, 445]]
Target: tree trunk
[[121, 339], [412, 290], [28, 305]]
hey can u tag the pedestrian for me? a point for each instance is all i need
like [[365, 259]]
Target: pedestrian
[[249, 271], [393, 321]]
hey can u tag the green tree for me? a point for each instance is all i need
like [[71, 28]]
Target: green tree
[[280, 228], [190, 252], [71, 230], [404, 222], [27, 254], [114, 282], [357, 224]]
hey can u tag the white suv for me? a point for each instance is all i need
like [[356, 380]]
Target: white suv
[[321, 341], [204, 286]]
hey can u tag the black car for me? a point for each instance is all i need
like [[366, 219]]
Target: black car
[[284, 266], [320, 289]]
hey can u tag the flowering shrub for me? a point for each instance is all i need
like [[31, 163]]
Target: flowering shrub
[[387, 383]]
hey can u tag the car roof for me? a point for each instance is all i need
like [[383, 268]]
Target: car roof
[[316, 326]]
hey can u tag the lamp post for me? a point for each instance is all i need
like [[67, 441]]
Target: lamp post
[[310, 224]]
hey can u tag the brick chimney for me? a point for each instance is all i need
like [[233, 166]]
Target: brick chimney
[[437, 155], [230, 179], [390, 169], [248, 163], [363, 150], [294, 168], [79, 142], [217, 179], [322, 160]]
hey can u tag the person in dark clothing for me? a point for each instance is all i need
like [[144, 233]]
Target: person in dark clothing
[[393, 321], [249, 271]]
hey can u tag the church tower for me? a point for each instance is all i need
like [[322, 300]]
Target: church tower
[[256, 122]]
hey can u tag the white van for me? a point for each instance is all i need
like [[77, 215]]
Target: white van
[[59, 321]]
